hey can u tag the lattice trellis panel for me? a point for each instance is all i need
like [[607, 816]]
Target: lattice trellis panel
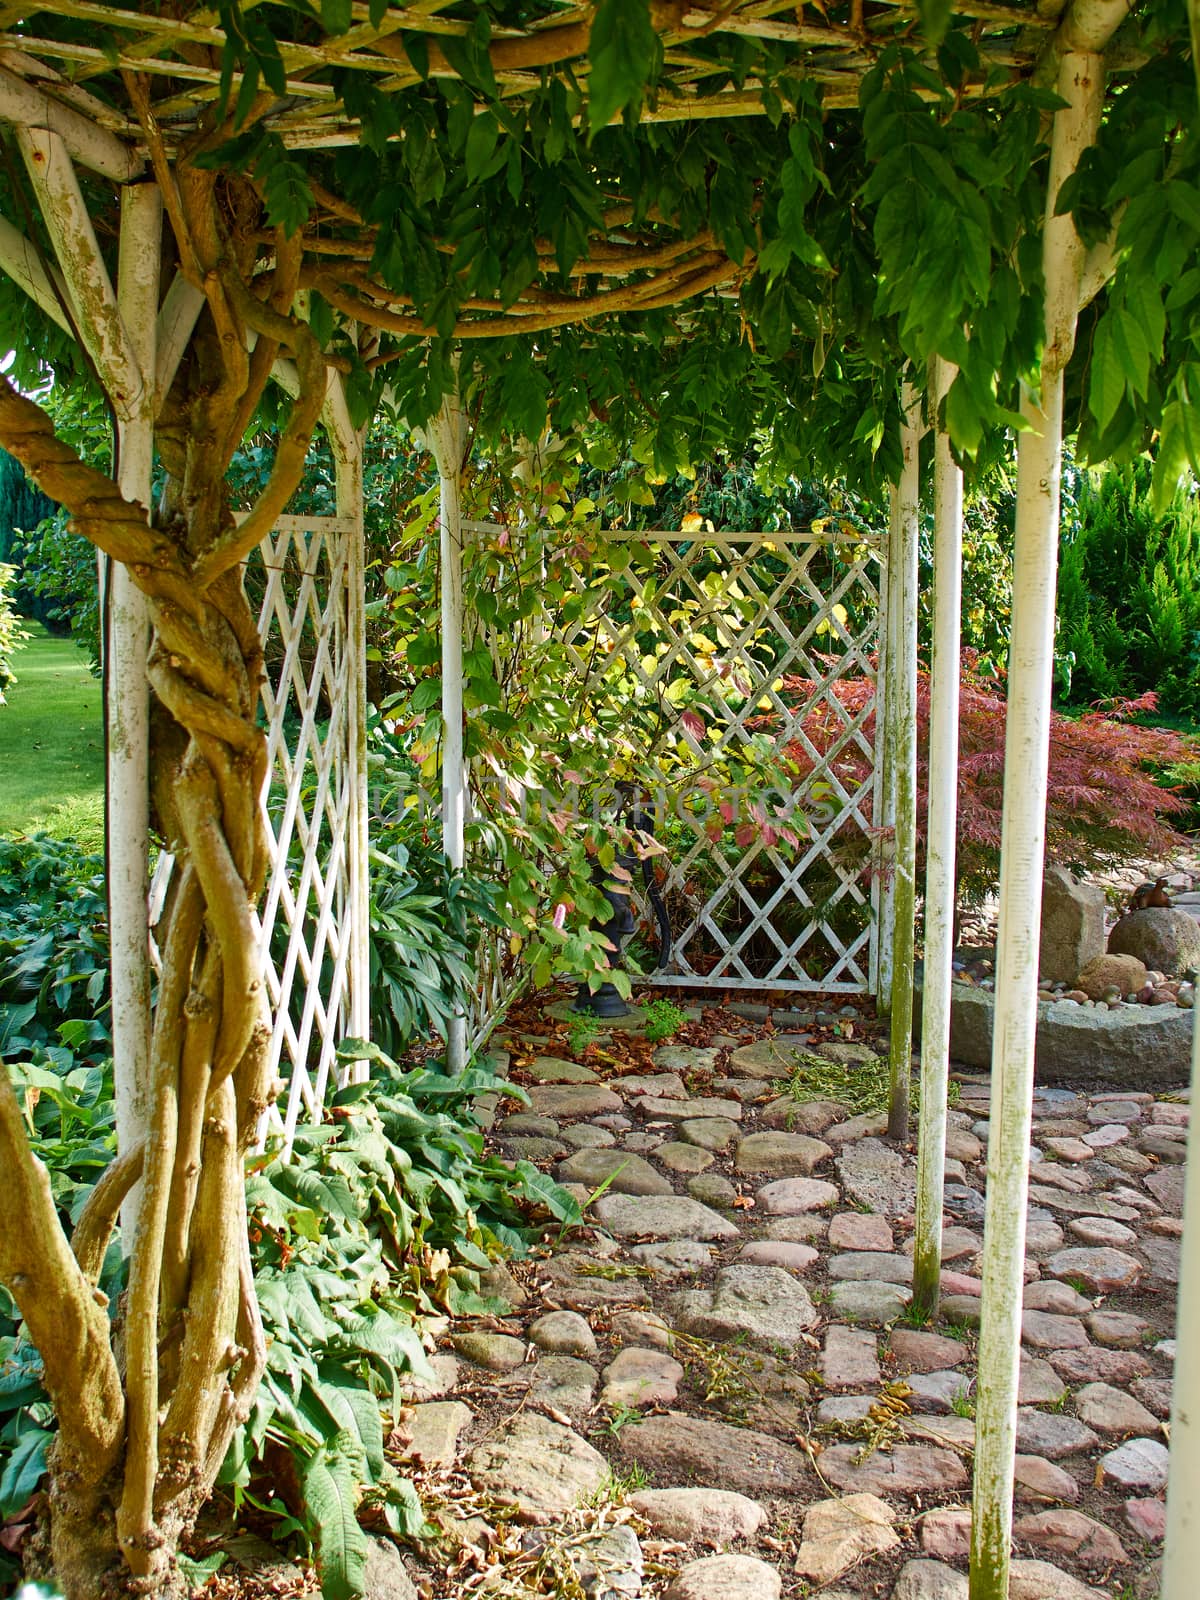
[[301, 581], [765, 627]]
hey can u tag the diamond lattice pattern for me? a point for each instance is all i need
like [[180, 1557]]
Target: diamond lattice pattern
[[783, 619]]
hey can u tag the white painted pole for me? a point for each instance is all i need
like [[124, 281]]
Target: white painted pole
[[902, 739], [127, 823], [448, 436], [1022, 847], [346, 443], [940, 829], [1181, 1556], [885, 821]]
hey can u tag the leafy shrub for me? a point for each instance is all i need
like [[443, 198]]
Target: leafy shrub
[[1129, 595], [386, 1213], [11, 631], [53, 948], [1104, 804]]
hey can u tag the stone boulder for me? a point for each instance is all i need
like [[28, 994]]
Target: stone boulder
[[1122, 972], [1072, 925], [1166, 940]]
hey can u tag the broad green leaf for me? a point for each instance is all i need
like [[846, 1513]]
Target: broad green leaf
[[331, 1499], [625, 50]]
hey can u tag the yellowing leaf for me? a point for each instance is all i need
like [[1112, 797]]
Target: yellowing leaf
[[692, 523]]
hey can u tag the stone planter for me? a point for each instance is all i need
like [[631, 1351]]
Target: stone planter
[[1133, 1047]]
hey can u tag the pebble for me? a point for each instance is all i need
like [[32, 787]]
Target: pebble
[[1147, 1518], [838, 1534], [665, 1217], [858, 1230], [712, 1189], [677, 1156], [563, 1333], [709, 1133], [1071, 1533], [1100, 1231], [1111, 1411], [907, 1469], [677, 1446], [1052, 1434], [787, 1197], [929, 1580], [874, 1303], [1121, 1329], [640, 1377], [714, 1516], [917, 1351], [777, 1253], [1101, 1271], [564, 1383], [783, 1155], [946, 1533], [496, 1352], [1039, 1479], [765, 1306], [727, 1577], [850, 1358], [1137, 1464], [620, 1170], [1046, 1331], [542, 1465], [1048, 1294]]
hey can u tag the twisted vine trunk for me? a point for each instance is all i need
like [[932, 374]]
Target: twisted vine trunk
[[146, 1416]]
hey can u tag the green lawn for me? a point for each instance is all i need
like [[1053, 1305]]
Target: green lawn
[[52, 742]]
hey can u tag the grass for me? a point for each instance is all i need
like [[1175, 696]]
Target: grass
[[863, 1087], [52, 743]]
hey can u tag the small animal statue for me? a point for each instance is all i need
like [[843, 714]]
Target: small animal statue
[[1149, 894]]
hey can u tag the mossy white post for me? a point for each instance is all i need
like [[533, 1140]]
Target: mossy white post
[[447, 434], [1023, 831], [885, 822], [346, 443], [127, 710], [940, 830], [901, 742], [1181, 1558]]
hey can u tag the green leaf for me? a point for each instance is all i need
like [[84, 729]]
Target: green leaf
[[482, 138], [355, 1410], [625, 51], [331, 1500], [337, 15], [23, 1469], [1106, 386]]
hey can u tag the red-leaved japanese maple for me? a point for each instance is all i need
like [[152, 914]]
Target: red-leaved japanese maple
[[1105, 804]]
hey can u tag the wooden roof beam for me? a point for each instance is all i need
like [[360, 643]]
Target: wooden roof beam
[[92, 146]]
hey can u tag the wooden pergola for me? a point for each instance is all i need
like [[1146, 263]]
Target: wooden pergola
[[107, 99]]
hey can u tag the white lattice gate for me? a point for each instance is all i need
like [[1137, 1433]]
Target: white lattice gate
[[305, 585], [792, 621]]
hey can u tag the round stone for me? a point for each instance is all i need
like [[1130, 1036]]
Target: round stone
[[563, 1333], [788, 1197], [725, 1577], [1137, 1464], [1100, 1271]]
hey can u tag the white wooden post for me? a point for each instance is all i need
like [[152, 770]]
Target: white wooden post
[[346, 442], [127, 708], [902, 762], [447, 435], [940, 830], [885, 713], [1022, 842], [1181, 1557]]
